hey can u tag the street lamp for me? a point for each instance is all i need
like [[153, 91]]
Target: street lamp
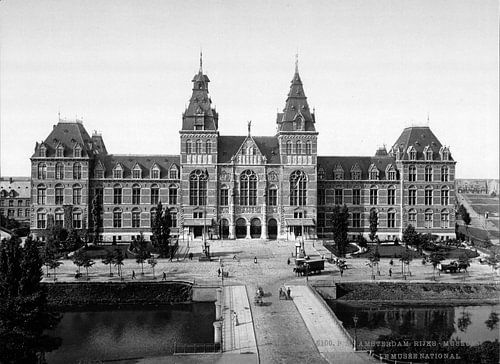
[[355, 319]]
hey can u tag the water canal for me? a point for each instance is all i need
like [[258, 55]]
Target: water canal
[[131, 332]]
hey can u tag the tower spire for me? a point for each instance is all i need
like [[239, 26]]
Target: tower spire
[[297, 62], [201, 61]]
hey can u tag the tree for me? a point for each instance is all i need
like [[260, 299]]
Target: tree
[[373, 225], [435, 258], [88, 263], [118, 261], [465, 216], [49, 253], [374, 259], [54, 264], [340, 224], [108, 260], [74, 241], [141, 251], [410, 236], [79, 260], [160, 230], [406, 258], [58, 235], [152, 262], [464, 259], [24, 313]]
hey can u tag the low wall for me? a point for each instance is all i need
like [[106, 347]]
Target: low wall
[[204, 293], [84, 294]]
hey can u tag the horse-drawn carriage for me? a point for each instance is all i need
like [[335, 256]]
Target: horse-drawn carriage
[[308, 266]]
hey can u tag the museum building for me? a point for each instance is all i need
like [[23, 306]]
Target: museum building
[[245, 186]]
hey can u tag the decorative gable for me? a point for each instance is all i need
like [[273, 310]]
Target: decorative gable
[[355, 172], [77, 150], [338, 172], [118, 171], [155, 171], [249, 153], [428, 153], [412, 153], [444, 153], [373, 172], [391, 172], [137, 171]]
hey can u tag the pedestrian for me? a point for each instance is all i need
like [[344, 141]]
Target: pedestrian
[[281, 293], [288, 261], [255, 260], [390, 272], [341, 272], [391, 262], [288, 292], [133, 274], [218, 272], [164, 276], [190, 256], [236, 319]]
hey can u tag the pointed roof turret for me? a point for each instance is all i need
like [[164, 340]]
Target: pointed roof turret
[[296, 115], [199, 114]]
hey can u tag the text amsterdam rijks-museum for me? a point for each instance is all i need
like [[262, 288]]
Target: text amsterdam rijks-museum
[[241, 186]]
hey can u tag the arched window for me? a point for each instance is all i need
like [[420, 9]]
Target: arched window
[[136, 218], [428, 173], [444, 174], [298, 188], [59, 217], [428, 219], [391, 195], [444, 195], [117, 217], [42, 171], [224, 195], [77, 171], [189, 147], [198, 146], [272, 195], [428, 196], [308, 147], [155, 194], [172, 195], [77, 195], [445, 219], [412, 195], [117, 194], [248, 188], [41, 195], [59, 194], [41, 219], [77, 219], [59, 171], [412, 173], [391, 218], [298, 148], [198, 188], [136, 194], [288, 147], [373, 195], [412, 217], [209, 147]]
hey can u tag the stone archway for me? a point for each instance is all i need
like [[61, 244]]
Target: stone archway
[[255, 228], [272, 229], [241, 228], [224, 229]]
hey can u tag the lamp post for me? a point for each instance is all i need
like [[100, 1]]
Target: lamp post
[[355, 319]]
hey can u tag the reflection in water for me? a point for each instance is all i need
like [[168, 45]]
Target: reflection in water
[[470, 324], [130, 333]]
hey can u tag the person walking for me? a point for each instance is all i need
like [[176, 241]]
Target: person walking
[[341, 272], [164, 276], [288, 293], [390, 272], [288, 261], [190, 256], [133, 274], [218, 272]]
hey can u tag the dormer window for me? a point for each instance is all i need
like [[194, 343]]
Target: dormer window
[[98, 173], [445, 153], [77, 152], [391, 173], [373, 172], [137, 172], [355, 172], [174, 172], [42, 152], [428, 153], [118, 172], [60, 151], [155, 172], [412, 154], [321, 173], [338, 172]]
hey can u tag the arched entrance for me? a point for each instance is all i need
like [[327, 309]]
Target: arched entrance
[[241, 228], [224, 228], [272, 229], [255, 228]]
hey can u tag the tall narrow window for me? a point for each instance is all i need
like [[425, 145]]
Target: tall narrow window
[[391, 175], [77, 171], [77, 219], [198, 188], [428, 196], [321, 196], [272, 196], [59, 171], [172, 195], [308, 147], [298, 148], [117, 194], [136, 173], [155, 194], [412, 217], [412, 173], [173, 219], [391, 218], [445, 219], [117, 218], [77, 152], [136, 194], [444, 196], [248, 188], [189, 147], [77, 195], [59, 152], [59, 194], [391, 195], [173, 173], [428, 219], [356, 196], [428, 174], [41, 219], [356, 220], [412, 195], [42, 171], [198, 146], [224, 196], [59, 217], [373, 195], [444, 174], [288, 147], [136, 218], [298, 188], [209, 147], [338, 196], [41, 197]]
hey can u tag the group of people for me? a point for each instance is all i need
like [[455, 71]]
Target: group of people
[[285, 293]]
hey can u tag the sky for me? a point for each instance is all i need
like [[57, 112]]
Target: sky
[[369, 68]]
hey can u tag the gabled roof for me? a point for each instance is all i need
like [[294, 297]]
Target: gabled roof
[[418, 137], [229, 145], [67, 134], [348, 164], [146, 162]]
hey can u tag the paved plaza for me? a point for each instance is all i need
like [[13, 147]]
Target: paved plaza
[[284, 332]]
